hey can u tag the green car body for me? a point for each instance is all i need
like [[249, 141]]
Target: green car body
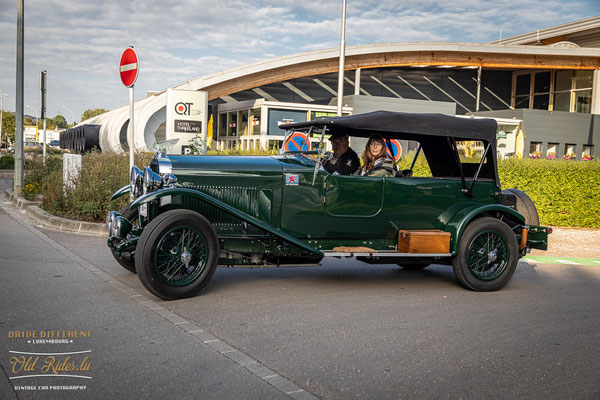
[[288, 210]]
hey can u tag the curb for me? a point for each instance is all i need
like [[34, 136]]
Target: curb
[[33, 211], [7, 174]]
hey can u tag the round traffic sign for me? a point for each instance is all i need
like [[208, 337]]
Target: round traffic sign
[[396, 147], [297, 141], [129, 67]]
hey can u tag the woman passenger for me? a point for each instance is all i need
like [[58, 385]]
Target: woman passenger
[[376, 162]]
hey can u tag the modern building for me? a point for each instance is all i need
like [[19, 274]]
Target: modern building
[[545, 83]]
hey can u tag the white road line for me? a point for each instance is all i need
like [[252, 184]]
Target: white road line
[[386, 86], [446, 93], [568, 262], [414, 88], [527, 260], [598, 262]]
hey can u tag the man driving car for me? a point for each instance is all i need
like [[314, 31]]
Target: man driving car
[[345, 161]]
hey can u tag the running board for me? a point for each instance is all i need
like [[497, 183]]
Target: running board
[[384, 253]]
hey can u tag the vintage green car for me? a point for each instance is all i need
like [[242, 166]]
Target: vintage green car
[[192, 213]]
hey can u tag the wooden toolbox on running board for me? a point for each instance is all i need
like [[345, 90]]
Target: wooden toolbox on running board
[[424, 242]]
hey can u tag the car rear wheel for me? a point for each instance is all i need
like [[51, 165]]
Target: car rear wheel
[[487, 256], [127, 258], [177, 254]]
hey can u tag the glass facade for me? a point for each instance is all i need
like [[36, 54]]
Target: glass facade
[[553, 90]]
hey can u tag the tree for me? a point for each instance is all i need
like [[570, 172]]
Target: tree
[[92, 112], [60, 122], [8, 126]]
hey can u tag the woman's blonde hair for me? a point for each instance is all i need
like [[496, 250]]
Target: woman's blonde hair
[[369, 158]]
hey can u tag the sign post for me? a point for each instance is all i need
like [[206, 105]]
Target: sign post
[[129, 68]]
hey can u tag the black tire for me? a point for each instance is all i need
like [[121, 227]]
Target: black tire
[[127, 263], [481, 267], [523, 205], [153, 261], [415, 267]]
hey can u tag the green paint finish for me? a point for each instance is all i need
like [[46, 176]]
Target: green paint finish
[[121, 192]]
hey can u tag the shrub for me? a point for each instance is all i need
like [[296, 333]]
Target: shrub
[[89, 200], [7, 162], [564, 192], [37, 172]]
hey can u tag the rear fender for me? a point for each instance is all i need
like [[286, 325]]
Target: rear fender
[[225, 208], [457, 224]]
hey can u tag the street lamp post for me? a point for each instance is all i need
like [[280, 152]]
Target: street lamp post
[[342, 60], [72, 115], [1, 115]]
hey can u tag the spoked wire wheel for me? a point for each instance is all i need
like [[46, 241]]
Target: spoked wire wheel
[[488, 255], [181, 256], [177, 254]]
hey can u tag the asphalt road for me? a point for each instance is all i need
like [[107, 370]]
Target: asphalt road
[[344, 330]]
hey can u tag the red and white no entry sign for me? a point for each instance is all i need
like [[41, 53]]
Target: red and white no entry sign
[[129, 67]]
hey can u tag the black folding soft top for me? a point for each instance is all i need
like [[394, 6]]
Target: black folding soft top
[[400, 125], [437, 134]]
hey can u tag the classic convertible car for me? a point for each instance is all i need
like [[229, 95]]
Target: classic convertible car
[[192, 213]]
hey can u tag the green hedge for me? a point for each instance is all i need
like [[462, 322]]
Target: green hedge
[[7, 162], [566, 193]]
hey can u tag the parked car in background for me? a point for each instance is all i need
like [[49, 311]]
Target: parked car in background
[[54, 143], [192, 213]]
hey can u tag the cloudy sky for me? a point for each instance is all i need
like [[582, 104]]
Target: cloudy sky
[[80, 42]]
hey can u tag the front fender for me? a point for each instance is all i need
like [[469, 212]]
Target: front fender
[[121, 192], [226, 208], [461, 219]]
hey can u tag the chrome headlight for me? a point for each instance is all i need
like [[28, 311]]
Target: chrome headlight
[[169, 179], [120, 227], [110, 221], [152, 181], [136, 181]]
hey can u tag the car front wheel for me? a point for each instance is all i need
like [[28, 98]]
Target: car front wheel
[[487, 256], [177, 254]]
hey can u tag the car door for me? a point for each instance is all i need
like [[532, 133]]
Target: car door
[[353, 196]]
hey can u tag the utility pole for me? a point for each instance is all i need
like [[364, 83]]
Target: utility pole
[[18, 179], [340, 93], [43, 109], [1, 115]]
